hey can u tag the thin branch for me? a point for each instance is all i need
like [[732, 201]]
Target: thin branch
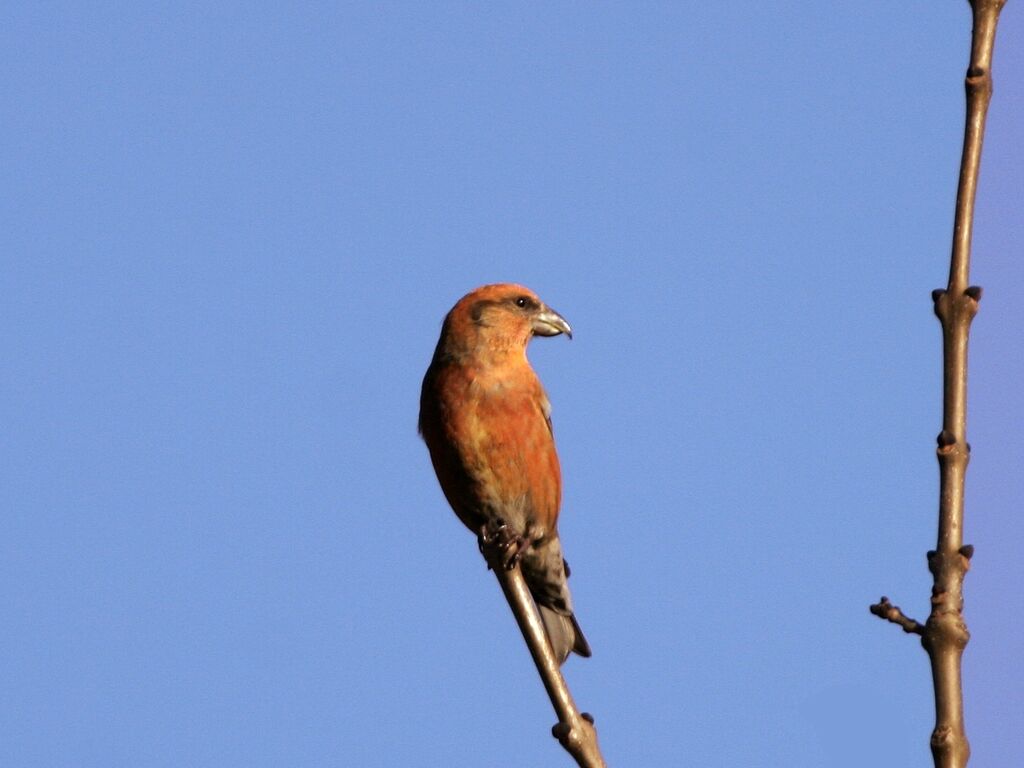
[[886, 610], [944, 636], [574, 730]]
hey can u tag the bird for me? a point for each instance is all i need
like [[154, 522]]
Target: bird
[[486, 421]]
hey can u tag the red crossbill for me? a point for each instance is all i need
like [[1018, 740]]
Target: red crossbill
[[486, 421]]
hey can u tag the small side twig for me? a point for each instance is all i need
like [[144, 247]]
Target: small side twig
[[574, 730], [886, 610]]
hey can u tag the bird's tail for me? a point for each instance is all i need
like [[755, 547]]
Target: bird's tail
[[547, 576], [564, 633]]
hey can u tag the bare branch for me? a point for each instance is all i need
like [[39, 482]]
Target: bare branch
[[574, 730], [944, 636]]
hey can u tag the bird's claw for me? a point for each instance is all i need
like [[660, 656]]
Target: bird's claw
[[492, 532], [497, 537]]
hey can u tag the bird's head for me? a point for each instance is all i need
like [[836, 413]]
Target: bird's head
[[495, 320]]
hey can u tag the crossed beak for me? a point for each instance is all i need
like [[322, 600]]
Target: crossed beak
[[547, 322]]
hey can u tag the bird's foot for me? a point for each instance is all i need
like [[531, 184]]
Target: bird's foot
[[495, 536]]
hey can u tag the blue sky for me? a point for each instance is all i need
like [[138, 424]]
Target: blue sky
[[230, 233]]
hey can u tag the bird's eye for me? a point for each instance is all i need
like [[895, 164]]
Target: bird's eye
[[522, 302]]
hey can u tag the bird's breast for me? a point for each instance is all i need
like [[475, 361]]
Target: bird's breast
[[498, 429]]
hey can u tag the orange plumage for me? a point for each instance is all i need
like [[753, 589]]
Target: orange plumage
[[486, 420]]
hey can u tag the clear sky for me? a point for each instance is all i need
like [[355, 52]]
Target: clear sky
[[229, 235]]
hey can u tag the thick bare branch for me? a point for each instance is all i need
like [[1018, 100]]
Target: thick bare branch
[[944, 636]]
